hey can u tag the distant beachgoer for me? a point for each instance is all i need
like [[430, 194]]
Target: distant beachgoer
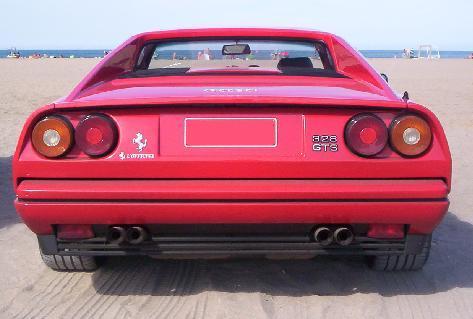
[[199, 55], [408, 53], [209, 52], [206, 55], [174, 55]]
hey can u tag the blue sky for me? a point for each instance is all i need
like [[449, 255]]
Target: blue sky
[[366, 24]]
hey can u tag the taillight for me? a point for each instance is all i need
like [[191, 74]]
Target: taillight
[[410, 135], [53, 136], [366, 134], [96, 135]]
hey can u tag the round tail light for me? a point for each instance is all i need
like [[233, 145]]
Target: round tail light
[[410, 135], [96, 135], [366, 134], [53, 136]]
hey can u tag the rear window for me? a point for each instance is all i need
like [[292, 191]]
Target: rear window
[[236, 56]]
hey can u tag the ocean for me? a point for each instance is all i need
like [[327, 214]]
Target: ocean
[[398, 54], [58, 53], [100, 53]]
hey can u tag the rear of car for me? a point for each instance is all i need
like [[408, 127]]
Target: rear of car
[[248, 147]]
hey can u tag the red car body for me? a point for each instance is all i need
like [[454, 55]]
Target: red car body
[[213, 160]]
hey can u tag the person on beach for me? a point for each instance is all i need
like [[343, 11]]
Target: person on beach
[[206, 54]]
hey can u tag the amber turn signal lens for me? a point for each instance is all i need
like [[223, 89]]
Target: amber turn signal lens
[[53, 136], [410, 135]]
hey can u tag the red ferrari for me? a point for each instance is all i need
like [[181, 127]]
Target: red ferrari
[[233, 142]]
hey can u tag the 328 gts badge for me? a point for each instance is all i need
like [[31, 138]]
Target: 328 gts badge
[[325, 143]]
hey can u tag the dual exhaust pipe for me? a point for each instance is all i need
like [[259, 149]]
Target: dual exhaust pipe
[[133, 235], [325, 236], [136, 235]]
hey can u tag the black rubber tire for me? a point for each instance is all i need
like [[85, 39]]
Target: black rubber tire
[[70, 263], [402, 262]]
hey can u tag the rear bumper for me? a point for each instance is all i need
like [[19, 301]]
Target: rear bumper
[[421, 204], [160, 190]]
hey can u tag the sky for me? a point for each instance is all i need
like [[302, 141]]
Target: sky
[[365, 24]]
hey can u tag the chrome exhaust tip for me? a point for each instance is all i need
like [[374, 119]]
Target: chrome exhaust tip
[[116, 235], [136, 235], [323, 236], [343, 236]]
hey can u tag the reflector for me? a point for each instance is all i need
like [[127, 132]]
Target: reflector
[[51, 138], [75, 232], [411, 136], [386, 231]]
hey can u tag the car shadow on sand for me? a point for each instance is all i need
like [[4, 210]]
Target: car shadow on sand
[[449, 267], [8, 214]]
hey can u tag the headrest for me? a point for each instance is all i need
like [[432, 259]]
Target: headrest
[[302, 62]]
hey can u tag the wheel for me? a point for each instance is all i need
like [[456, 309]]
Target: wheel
[[402, 262], [70, 263]]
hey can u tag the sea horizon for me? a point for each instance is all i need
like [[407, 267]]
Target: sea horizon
[[98, 53]]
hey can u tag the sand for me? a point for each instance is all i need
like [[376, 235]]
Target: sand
[[324, 287]]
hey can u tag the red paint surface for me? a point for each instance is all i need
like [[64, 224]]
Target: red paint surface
[[230, 132], [247, 139], [231, 189]]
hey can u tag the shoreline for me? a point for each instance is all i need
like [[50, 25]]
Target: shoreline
[[100, 58], [96, 54]]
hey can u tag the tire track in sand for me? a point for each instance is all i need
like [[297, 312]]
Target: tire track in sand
[[166, 276], [134, 284], [169, 296], [45, 296], [92, 295], [183, 291], [60, 297], [107, 291]]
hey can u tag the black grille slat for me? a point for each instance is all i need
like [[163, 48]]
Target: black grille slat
[[240, 245]]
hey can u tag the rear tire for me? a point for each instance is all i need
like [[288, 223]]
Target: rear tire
[[70, 263], [402, 262]]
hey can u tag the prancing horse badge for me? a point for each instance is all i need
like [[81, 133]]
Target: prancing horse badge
[[141, 142]]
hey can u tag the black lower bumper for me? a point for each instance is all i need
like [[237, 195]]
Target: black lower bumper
[[206, 247]]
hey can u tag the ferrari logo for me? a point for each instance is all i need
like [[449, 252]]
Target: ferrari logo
[[140, 141]]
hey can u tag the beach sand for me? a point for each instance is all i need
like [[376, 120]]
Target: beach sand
[[324, 287]]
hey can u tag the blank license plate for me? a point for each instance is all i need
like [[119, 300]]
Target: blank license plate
[[231, 132]]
